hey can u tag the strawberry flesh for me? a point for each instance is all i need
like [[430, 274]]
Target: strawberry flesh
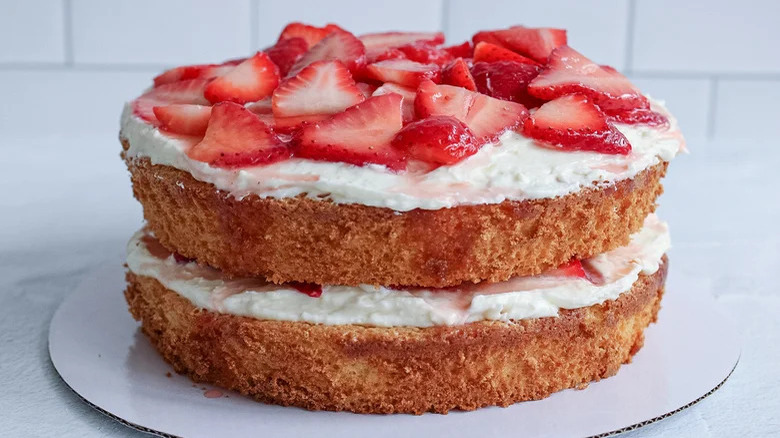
[[252, 80], [463, 50], [186, 72], [236, 137], [407, 95], [323, 87], [486, 116], [436, 140], [536, 43], [639, 116], [487, 52], [506, 80], [360, 135], [403, 72], [183, 118], [286, 53], [338, 46], [569, 72], [424, 52], [457, 73], [188, 91], [311, 289], [310, 34], [574, 123], [573, 268]]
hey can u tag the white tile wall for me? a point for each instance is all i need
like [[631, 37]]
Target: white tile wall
[[715, 62]]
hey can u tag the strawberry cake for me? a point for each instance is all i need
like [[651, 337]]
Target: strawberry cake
[[384, 223]]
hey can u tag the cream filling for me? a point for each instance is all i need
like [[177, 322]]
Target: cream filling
[[514, 168], [518, 298]]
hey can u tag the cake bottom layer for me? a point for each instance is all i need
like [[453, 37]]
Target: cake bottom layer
[[396, 369]]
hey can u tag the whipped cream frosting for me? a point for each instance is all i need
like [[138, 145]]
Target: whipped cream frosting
[[514, 168], [518, 298]]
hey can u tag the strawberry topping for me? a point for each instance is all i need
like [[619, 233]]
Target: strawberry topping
[[286, 53], [463, 50], [407, 94], [360, 135], [310, 34], [436, 140], [572, 123], [403, 72], [237, 137], [487, 117], [425, 52], [323, 87], [639, 116], [338, 46], [189, 91], [506, 80], [536, 43], [252, 80], [202, 71], [569, 72], [487, 52], [183, 118], [457, 73]]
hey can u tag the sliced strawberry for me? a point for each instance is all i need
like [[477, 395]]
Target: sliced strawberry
[[235, 138], [457, 73], [386, 40], [536, 43], [487, 117], [639, 116], [573, 268], [436, 140], [464, 50], [183, 73], [311, 34], [286, 53], [183, 118], [570, 72], [249, 81], [392, 53], [360, 135], [506, 80], [338, 46], [425, 53], [288, 125], [366, 89], [408, 95], [189, 91], [574, 123], [403, 72], [487, 52], [323, 87], [263, 106], [311, 289]]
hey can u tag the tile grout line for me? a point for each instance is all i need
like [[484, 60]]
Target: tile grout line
[[713, 109], [629, 51], [254, 31], [67, 29], [444, 22]]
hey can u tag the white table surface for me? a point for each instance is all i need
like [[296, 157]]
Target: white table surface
[[61, 214]]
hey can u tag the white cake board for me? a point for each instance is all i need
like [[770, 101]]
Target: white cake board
[[100, 353]]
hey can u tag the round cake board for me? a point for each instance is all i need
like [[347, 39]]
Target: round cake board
[[101, 354]]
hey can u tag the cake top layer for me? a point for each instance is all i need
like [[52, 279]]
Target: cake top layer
[[397, 102]]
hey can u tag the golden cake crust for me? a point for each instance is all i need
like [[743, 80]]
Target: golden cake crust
[[399, 369], [318, 241]]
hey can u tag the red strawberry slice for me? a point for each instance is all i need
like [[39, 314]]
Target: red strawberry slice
[[392, 53], [424, 52], [288, 125], [408, 95], [183, 73], [263, 106], [457, 73], [183, 118], [436, 140], [536, 43], [464, 50], [249, 81], [403, 72], [487, 52], [338, 46], [570, 72], [360, 135], [573, 268], [311, 34], [639, 116], [286, 53], [189, 91], [574, 123], [235, 138], [506, 80], [323, 87], [366, 89], [386, 40], [487, 117]]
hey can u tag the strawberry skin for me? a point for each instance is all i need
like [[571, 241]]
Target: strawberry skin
[[457, 73], [570, 72], [183, 118], [186, 72], [486, 116], [639, 116], [323, 87], [407, 94], [286, 53], [252, 80], [403, 72], [574, 123], [310, 34], [188, 91], [437, 140], [536, 43], [487, 52], [506, 80], [360, 135], [235, 137], [338, 46], [463, 50], [425, 53]]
